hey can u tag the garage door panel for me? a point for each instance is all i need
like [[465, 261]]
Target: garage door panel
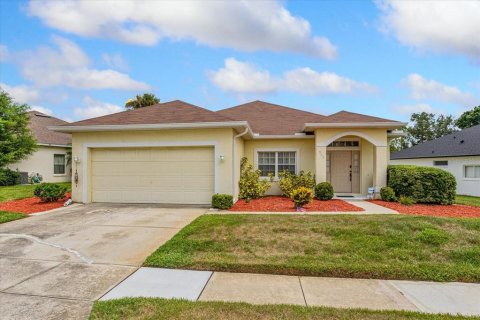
[[153, 175]]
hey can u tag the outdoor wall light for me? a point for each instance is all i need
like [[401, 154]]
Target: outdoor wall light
[[76, 159], [222, 158]]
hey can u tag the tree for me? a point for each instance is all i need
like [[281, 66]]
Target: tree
[[469, 118], [444, 125], [145, 100], [16, 139]]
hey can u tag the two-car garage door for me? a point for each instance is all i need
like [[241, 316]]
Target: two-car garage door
[[153, 175]]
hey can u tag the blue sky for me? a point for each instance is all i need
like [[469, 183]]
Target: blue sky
[[384, 58]]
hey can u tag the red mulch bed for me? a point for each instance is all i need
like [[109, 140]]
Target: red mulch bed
[[284, 204], [436, 210], [31, 205]]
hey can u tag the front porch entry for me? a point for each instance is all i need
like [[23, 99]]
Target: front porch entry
[[343, 167]]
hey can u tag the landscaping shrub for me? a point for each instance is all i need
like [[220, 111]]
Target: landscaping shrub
[[222, 201], [406, 201], [50, 192], [291, 181], [250, 184], [324, 191], [9, 177], [387, 194], [302, 196], [423, 184]]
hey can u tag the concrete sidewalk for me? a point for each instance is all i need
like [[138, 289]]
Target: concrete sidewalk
[[429, 297]]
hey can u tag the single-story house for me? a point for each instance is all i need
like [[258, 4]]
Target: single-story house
[[178, 153], [458, 153], [50, 158]]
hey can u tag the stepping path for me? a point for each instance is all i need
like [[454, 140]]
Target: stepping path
[[430, 297]]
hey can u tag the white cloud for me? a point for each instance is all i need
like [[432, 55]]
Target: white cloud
[[438, 26], [93, 108], [415, 108], [70, 66], [4, 54], [241, 25], [421, 88], [42, 110], [243, 77], [115, 61], [21, 93]]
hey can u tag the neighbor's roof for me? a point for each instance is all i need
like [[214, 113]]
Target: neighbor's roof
[[271, 119], [169, 112], [39, 123], [461, 143]]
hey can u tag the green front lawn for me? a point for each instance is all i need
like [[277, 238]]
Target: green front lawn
[[6, 216], [22, 191], [363, 246], [151, 308], [468, 200]]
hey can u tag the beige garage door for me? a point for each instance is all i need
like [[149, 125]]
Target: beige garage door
[[153, 175]]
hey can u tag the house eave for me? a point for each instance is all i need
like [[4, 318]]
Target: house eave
[[54, 145], [281, 136]]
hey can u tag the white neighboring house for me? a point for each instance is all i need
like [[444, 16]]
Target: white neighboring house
[[458, 153], [50, 159]]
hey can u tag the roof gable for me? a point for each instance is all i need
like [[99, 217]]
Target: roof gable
[[351, 117], [175, 111], [271, 119], [461, 143], [39, 123]]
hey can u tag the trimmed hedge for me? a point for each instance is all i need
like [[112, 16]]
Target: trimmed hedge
[[50, 192], [324, 191], [9, 177], [222, 201], [387, 194], [423, 184]]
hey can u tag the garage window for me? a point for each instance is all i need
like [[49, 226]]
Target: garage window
[[274, 162], [58, 164], [472, 172]]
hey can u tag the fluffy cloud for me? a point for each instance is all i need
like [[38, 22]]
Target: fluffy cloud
[[70, 66], [439, 26], [42, 110], [115, 61], [242, 25], [93, 108], [242, 77], [420, 107], [21, 93], [422, 89]]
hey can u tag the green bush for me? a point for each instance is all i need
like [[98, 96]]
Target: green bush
[[423, 184], [406, 201], [387, 194], [302, 196], [50, 192], [222, 201], [9, 177], [250, 184], [291, 181], [324, 191]]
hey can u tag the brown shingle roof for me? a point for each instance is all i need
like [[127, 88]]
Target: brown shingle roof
[[39, 123], [345, 117], [168, 112], [271, 119]]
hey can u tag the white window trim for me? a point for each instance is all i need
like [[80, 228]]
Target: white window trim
[[463, 173], [91, 145], [64, 165], [276, 178]]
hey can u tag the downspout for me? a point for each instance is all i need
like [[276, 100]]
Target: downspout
[[233, 161]]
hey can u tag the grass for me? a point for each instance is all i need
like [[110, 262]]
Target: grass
[[154, 308], [10, 216], [468, 200], [22, 191], [363, 246]]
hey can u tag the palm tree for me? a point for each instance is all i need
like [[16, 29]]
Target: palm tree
[[140, 101]]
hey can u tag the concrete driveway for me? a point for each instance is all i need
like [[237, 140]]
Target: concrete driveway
[[53, 266]]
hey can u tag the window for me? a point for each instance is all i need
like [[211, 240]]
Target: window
[[440, 163], [58, 164], [343, 144], [274, 162], [472, 172]]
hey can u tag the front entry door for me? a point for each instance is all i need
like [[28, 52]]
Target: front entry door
[[341, 171]]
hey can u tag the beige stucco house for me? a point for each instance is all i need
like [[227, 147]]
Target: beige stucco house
[[175, 152], [50, 158]]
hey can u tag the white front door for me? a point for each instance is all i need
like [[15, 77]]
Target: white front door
[[341, 171]]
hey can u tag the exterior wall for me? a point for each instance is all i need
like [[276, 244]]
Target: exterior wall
[[470, 187], [306, 148], [239, 154], [366, 165], [42, 162], [82, 142]]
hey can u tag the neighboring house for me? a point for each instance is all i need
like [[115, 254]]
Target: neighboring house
[[458, 153], [175, 152], [50, 159]]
